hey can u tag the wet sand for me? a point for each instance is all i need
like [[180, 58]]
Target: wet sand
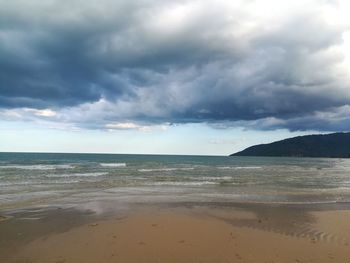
[[179, 234]]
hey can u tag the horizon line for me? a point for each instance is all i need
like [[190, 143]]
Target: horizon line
[[108, 153]]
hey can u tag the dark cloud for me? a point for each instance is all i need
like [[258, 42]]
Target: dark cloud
[[101, 62]]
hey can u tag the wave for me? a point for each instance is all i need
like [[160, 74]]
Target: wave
[[213, 178], [113, 164], [238, 167], [38, 167], [7, 184], [76, 175], [165, 169], [36, 183], [182, 183]]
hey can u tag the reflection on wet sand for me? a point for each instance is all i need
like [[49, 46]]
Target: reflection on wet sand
[[178, 233]]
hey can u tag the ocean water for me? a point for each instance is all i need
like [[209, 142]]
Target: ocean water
[[28, 179]]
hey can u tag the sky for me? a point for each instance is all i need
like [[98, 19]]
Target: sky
[[171, 77]]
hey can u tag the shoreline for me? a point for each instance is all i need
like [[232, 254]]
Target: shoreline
[[47, 234]]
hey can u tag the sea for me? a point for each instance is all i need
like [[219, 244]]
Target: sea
[[31, 179]]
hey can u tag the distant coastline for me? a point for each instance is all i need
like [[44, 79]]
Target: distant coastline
[[334, 145]]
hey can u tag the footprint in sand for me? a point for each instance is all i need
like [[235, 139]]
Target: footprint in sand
[[330, 256], [238, 256]]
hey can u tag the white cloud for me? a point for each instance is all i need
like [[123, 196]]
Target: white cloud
[[41, 113], [123, 126], [134, 126]]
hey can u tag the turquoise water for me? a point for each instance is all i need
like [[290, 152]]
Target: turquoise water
[[32, 178]]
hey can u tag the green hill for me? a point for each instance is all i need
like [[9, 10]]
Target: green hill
[[335, 145]]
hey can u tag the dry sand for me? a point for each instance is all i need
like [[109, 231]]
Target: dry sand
[[212, 235]]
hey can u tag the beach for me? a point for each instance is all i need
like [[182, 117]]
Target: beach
[[181, 233], [143, 208]]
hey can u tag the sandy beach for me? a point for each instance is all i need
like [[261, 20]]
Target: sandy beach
[[196, 234]]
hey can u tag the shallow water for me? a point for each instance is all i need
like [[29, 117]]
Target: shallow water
[[30, 179]]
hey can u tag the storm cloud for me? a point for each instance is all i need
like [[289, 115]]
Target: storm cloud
[[111, 64]]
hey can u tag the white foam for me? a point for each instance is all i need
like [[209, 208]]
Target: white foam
[[77, 175], [182, 183], [165, 169], [214, 178], [38, 166], [113, 164], [238, 167]]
